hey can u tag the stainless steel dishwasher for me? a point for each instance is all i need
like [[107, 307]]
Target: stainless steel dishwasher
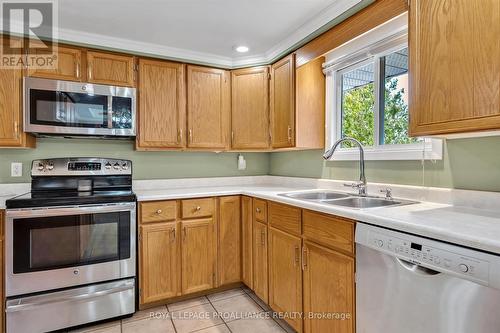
[[411, 284]]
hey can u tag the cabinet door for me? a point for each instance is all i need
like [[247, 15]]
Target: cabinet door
[[198, 255], [285, 276], [108, 68], [69, 66], [454, 66], [260, 286], [162, 105], [11, 119], [159, 262], [208, 106], [283, 103], [327, 270], [246, 241], [229, 240], [250, 108]]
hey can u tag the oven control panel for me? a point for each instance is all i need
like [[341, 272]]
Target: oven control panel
[[81, 167]]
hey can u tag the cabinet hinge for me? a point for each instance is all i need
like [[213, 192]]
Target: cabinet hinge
[[139, 236]]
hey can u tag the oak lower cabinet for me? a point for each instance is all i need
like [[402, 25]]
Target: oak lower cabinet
[[328, 290], [454, 65], [198, 249], [208, 107], [285, 276], [229, 253], [159, 251], [260, 264], [246, 241], [162, 105]]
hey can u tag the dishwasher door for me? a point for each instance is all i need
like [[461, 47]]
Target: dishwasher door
[[396, 296]]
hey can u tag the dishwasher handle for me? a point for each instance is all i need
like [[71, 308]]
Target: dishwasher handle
[[415, 268]]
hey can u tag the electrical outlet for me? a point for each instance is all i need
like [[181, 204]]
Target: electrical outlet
[[16, 169]]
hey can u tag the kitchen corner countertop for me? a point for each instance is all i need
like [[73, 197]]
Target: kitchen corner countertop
[[471, 227]]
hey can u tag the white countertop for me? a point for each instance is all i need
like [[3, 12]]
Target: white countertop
[[468, 218], [472, 227]]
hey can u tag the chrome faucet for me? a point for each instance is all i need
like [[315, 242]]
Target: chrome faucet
[[361, 184]]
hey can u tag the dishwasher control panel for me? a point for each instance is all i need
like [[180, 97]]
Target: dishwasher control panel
[[440, 256]]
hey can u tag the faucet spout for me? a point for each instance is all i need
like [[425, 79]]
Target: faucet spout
[[362, 178]]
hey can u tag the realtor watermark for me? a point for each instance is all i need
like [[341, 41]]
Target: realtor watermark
[[30, 34]]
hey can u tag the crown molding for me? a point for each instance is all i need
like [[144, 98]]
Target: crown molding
[[299, 37]]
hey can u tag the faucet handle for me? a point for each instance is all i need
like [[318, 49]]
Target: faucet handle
[[351, 185], [387, 191]]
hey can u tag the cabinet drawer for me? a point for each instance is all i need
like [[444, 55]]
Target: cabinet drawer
[[332, 231], [157, 211], [284, 217], [260, 210], [197, 208]]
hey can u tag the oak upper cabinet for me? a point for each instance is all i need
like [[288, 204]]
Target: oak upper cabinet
[[229, 257], [285, 276], [162, 105], [11, 114], [250, 108], [260, 268], [283, 103], [69, 65], [246, 241], [328, 288], [159, 262], [208, 107], [454, 66], [310, 88], [110, 68]]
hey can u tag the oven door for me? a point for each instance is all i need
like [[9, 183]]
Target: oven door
[[58, 247]]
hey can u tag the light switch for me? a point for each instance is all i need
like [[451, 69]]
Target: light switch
[[16, 169]]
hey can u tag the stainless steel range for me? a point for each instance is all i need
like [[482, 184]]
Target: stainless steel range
[[70, 245]]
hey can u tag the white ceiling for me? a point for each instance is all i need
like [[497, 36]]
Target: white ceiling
[[203, 31]]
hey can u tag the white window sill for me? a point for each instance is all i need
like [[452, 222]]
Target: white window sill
[[432, 149]]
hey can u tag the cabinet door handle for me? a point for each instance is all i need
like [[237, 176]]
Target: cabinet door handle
[[289, 134], [184, 231], [173, 235], [179, 136], [263, 237], [77, 68], [190, 135], [16, 129], [232, 136], [257, 210], [297, 256], [304, 258]]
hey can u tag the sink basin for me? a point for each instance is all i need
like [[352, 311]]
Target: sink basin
[[365, 202], [316, 196]]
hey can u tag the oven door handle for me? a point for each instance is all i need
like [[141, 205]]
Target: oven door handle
[[70, 210], [81, 297]]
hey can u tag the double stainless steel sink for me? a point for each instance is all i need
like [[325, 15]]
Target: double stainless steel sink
[[346, 200]]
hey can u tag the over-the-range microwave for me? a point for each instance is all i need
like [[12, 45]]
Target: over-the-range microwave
[[75, 108]]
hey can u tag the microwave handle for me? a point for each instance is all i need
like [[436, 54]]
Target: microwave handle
[[110, 112]]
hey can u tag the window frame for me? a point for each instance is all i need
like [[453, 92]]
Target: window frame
[[357, 53]]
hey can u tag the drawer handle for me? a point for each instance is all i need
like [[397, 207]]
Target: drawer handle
[[158, 211], [198, 208], [257, 210]]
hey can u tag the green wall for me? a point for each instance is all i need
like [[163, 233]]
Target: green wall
[[147, 165], [467, 164]]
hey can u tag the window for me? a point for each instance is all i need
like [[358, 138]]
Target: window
[[367, 97]]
